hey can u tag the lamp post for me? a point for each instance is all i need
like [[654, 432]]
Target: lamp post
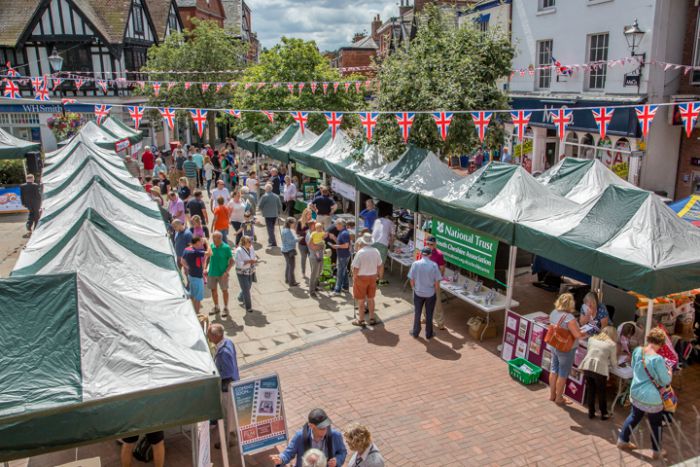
[[633, 35], [56, 62]]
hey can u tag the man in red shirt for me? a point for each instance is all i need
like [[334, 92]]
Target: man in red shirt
[[438, 258], [148, 160]]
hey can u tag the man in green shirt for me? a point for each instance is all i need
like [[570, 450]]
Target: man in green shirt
[[220, 263]]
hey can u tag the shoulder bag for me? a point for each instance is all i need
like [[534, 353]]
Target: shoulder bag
[[668, 395], [560, 337]]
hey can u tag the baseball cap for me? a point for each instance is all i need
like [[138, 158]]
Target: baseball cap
[[319, 418], [426, 251], [432, 240]]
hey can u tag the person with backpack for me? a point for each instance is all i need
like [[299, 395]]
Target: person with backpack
[[316, 434], [562, 341]]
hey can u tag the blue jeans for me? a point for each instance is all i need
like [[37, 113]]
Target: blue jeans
[[246, 282], [342, 281], [633, 420], [418, 303]]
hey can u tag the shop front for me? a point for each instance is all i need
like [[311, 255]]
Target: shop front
[[620, 150]]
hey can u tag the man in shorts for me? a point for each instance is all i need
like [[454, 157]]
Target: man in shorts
[[157, 442], [220, 263], [367, 267], [193, 267]]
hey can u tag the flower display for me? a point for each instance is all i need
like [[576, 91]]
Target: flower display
[[65, 126]]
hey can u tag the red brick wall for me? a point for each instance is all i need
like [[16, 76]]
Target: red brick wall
[[356, 58], [212, 11], [690, 147]]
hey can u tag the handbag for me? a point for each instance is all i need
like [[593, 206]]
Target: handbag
[[668, 395], [559, 337]]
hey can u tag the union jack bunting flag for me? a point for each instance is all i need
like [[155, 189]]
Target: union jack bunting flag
[[689, 112], [443, 121], [520, 120], [168, 115], [481, 122], [199, 117], [405, 121], [334, 120], [301, 118], [602, 117], [645, 115], [136, 114], [369, 121], [102, 112]]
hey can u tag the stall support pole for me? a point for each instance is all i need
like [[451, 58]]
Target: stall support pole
[[510, 279], [222, 441], [650, 318], [357, 231]]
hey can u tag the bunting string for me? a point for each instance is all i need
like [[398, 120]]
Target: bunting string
[[561, 117]]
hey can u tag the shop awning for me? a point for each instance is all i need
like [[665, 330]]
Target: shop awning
[[628, 237], [688, 209], [99, 338], [401, 181], [623, 123], [15, 148], [278, 148], [581, 180]]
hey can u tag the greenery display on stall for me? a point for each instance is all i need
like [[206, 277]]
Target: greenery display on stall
[[445, 67], [11, 172], [293, 61], [204, 48]]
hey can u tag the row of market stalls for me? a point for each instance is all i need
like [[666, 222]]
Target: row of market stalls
[[578, 213], [99, 339]]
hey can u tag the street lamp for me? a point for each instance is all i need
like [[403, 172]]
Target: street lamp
[[633, 36], [56, 62]]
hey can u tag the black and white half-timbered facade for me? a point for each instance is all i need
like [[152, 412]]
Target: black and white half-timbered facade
[[100, 39]]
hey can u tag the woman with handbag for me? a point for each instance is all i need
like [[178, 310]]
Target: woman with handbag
[[562, 341], [650, 392], [600, 358], [245, 270]]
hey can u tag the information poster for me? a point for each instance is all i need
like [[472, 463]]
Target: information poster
[[259, 412], [467, 249], [10, 200], [516, 337]]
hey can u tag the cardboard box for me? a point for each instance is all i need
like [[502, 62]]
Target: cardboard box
[[477, 325]]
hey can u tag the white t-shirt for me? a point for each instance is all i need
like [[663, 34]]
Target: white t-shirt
[[252, 184], [237, 210], [367, 261], [290, 192], [215, 193], [382, 230], [208, 171]]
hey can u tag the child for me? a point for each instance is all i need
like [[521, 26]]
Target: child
[[248, 226], [183, 190], [317, 238], [147, 184], [197, 228]]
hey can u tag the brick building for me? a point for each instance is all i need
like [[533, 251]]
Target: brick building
[[212, 10], [688, 177]]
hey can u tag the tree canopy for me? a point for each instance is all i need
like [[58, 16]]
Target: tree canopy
[[445, 68], [291, 61], [205, 49]]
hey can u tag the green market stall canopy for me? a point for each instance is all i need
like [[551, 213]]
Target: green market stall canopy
[[247, 141], [580, 180], [290, 139], [15, 148], [99, 338]]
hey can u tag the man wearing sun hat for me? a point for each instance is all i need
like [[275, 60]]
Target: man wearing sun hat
[[316, 434], [367, 267]]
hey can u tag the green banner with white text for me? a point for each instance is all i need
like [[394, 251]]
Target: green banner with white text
[[466, 249]]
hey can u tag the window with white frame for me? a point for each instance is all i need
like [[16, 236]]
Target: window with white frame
[[543, 78], [597, 52], [544, 4], [695, 75]]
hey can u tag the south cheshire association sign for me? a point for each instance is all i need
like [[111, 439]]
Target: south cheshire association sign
[[467, 249]]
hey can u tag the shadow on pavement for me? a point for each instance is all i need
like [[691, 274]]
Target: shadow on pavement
[[256, 319], [379, 335]]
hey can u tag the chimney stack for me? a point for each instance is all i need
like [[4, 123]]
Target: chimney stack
[[376, 24]]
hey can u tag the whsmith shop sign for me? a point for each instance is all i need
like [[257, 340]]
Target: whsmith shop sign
[[467, 249], [45, 108]]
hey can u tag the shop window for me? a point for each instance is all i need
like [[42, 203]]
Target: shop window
[[597, 51], [587, 151], [544, 59], [77, 58], [137, 13], [695, 74], [571, 148]]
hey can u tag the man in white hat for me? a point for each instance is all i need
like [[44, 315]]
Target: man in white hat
[[367, 267]]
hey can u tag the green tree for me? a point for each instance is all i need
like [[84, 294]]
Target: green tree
[[292, 61], [203, 50], [445, 68]]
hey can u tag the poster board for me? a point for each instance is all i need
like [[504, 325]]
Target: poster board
[[525, 338], [11, 200], [259, 411]]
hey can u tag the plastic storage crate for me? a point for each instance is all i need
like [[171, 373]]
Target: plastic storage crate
[[517, 373]]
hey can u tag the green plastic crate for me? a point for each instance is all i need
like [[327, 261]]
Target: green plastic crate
[[520, 375]]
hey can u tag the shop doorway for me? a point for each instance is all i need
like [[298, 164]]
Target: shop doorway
[[551, 153]]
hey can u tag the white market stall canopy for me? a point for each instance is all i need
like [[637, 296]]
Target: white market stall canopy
[[99, 338]]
